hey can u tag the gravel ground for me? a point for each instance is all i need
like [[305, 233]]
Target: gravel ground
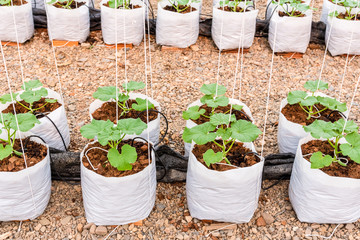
[[176, 79]]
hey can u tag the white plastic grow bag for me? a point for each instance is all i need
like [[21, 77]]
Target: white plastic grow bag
[[293, 33], [290, 133], [46, 129], [329, 7], [319, 198], [227, 196], [176, 29], [271, 7], [343, 33], [129, 23], [68, 24], [118, 200], [24, 27], [190, 123], [25, 194], [231, 30], [153, 126]]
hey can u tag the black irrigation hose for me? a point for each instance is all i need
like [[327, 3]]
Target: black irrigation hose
[[156, 155], [167, 123], [272, 185], [336, 111], [245, 115], [57, 129]]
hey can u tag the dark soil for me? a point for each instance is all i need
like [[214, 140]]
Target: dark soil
[[345, 15], [73, 5], [238, 114], [34, 153], [352, 170], [16, 3], [108, 111], [230, 9], [99, 160], [50, 107], [295, 114], [172, 9], [297, 14], [235, 156], [121, 6]]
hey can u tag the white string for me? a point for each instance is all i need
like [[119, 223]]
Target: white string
[[150, 59], [88, 157], [17, 124], [216, 230], [329, 237], [219, 57], [351, 103], [116, 65], [111, 232]]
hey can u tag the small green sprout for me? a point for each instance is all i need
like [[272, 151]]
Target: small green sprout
[[25, 122], [335, 131], [110, 135], [124, 4], [297, 8], [233, 4], [349, 5], [182, 5], [225, 127], [5, 3], [63, 3], [308, 102]]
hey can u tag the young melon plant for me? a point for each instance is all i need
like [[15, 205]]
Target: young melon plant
[[234, 4], [110, 93], [5, 3], [307, 101], [182, 5], [63, 3], [349, 6], [110, 135], [214, 96], [333, 132], [124, 4], [33, 92], [296, 9], [224, 128], [25, 122]]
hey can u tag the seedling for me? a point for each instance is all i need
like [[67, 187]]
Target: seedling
[[33, 92], [307, 102], [349, 5], [224, 127], [124, 4], [335, 131], [110, 93], [63, 3], [182, 5], [5, 3], [297, 8], [25, 122], [233, 4], [110, 135], [214, 96]]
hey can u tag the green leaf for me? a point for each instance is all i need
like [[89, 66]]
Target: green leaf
[[321, 129], [131, 126], [352, 148], [237, 107], [218, 101], [351, 126], [133, 85], [244, 131], [26, 121], [221, 118], [142, 104], [312, 86], [210, 89], [106, 93], [32, 84], [332, 104], [296, 97], [17, 153], [309, 101], [51, 100], [200, 134], [31, 96], [319, 161], [122, 161], [122, 97], [5, 151], [193, 113], [211, 157], [96, 128], [7, 98], [224, 133]]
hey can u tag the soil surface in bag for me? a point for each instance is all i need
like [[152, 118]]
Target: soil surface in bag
[[100, 161], [49, 107], [108, 111], [296, 14], [121, 6], [352, 170], [73, 5], [238, 114], [15, 3], [235, 156], [344, 16], [295, 114], [34, 153], [181, 7], [230, 9]]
